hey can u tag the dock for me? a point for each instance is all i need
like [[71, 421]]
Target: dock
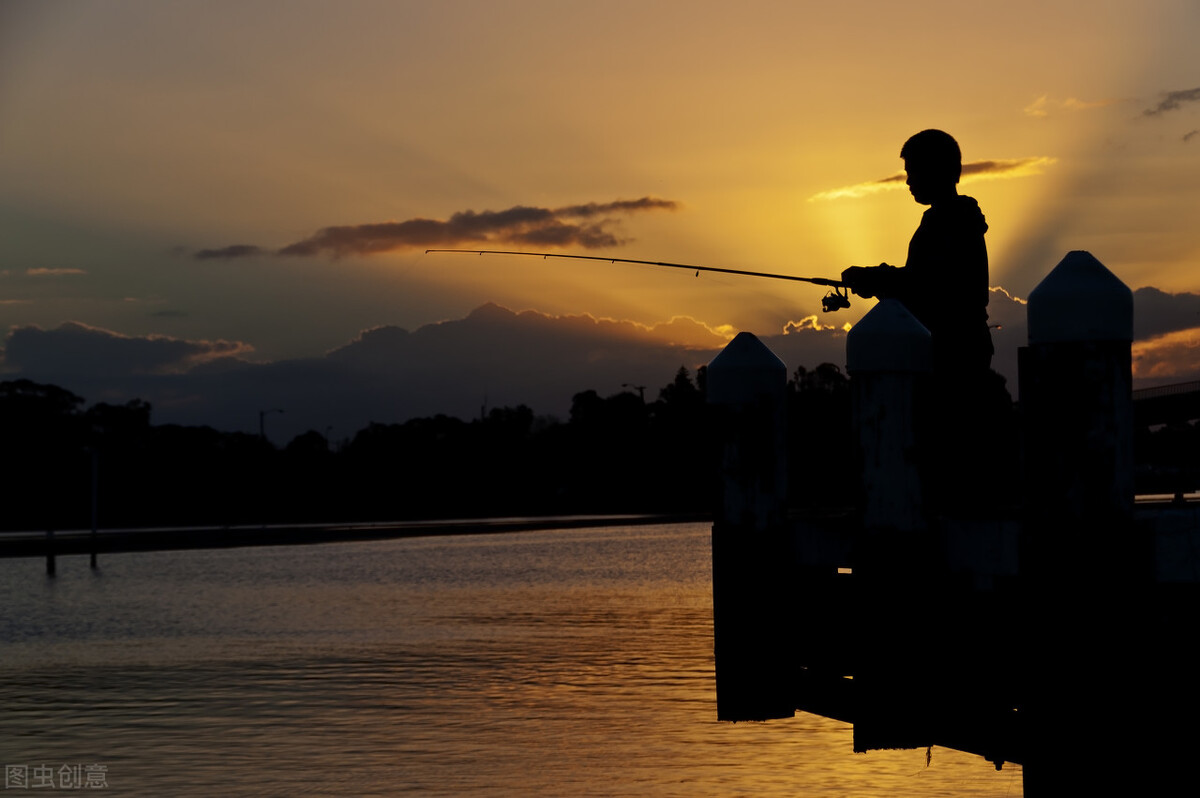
[[1051, 628]]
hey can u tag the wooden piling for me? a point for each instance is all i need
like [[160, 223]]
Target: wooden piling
[[1080, 565], [747, 389], [1077, 416], [888, 355], [94, 540]]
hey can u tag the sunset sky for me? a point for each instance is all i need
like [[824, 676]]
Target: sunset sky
[[259, 180]]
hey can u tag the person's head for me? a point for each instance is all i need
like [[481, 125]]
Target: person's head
[[933, 163]]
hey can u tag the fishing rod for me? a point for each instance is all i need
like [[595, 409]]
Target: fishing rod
[[836, 299]]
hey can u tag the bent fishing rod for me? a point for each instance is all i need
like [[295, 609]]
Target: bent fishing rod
[[836, 299]]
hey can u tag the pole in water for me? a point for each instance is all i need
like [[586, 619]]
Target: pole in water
[[50, 565], [95, 499], [836, 299]]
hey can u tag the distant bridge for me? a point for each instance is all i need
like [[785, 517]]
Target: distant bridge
[[1167, 404]]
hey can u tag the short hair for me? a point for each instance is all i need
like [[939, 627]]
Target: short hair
[[936, 151]]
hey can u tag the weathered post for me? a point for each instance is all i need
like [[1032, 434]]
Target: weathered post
[[888, 355], [94, 539], [1079, 561], [50, 554], [1077, 412], [752, 615]]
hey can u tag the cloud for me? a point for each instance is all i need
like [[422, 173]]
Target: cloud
[[1017, 167], [78, 349], [1190, 135], [1157, 312], [1043, 106], [229, 252], [386, 374], [1172, 101], [807, 323], [494, 355], [686, 331], [589, 226], [972, 171], [44, 272], [1006, 294], [1173, 357], [520, 226]]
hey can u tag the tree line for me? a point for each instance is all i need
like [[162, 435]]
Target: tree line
[[625, 452], [621, 453]]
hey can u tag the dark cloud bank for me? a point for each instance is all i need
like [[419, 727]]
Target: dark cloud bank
[[230, 252], [492, 358], [989, 167], [90, 352], [1173, 101], [591, 226]]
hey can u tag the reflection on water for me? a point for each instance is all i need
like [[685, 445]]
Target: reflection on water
[[544, 663]]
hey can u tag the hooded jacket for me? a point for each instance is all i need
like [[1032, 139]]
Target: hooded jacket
[[944, 283]]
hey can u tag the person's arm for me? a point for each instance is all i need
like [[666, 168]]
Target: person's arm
[[882, 281]]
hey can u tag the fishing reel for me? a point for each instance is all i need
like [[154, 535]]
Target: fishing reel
[[837, 299]]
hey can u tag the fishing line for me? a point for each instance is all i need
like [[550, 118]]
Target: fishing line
[[836, 299]]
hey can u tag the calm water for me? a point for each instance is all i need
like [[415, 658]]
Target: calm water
[[527, 664]]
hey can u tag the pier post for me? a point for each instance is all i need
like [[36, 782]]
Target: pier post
[[94, 539], [1082, 568], [51, 568], [747, 389], [887, 353], [1077, 415], [888, 356]]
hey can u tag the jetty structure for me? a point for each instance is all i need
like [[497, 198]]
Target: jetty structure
[[1053, 628]]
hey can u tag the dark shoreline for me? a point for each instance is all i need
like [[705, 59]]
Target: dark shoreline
[[71, 542]]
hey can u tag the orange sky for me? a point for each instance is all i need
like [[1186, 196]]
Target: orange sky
[[137, 134]]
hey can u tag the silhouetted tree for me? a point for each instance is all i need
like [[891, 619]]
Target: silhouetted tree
[[29, 402], [681, 394], [120, 439], [311, 444], [606, 451], [45, 469], [614, 454], [681, 453]]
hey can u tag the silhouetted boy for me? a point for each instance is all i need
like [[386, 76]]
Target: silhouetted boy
[[944, 283]]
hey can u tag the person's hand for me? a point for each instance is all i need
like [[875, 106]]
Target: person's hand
[[858, 279], [869, 281]]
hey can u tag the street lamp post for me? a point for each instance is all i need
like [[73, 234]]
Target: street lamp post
[[262, 414]]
